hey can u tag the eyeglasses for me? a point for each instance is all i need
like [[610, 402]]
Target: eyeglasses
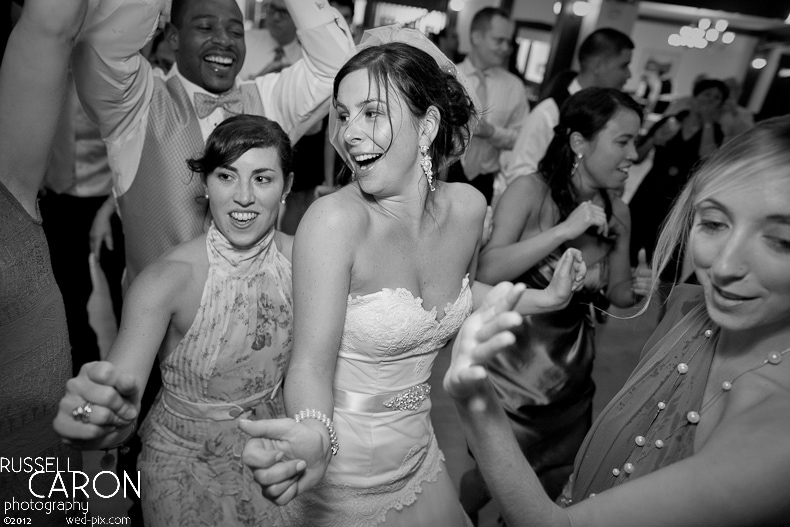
[[273, 10]]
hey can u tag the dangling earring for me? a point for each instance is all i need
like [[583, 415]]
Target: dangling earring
[[427, 165], [206, 196], [576, 162]]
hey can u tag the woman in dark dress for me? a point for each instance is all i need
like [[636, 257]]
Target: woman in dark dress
[[545, 382]]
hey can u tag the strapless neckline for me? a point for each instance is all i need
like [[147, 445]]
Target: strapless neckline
[[407, 297]]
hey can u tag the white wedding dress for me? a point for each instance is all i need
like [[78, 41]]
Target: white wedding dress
[[389, 468]]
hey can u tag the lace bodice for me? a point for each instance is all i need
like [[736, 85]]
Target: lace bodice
[[390, 328]]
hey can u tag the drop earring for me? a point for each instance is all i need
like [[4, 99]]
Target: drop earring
[[206, 196], [427, 166], [576, 162]]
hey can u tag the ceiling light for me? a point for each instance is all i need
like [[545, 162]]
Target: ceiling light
[[581, 8], [759, 63]]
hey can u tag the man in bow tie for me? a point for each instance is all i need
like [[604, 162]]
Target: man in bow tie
[[152, 123]]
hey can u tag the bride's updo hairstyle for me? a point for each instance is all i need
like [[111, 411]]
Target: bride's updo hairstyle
[[417, 77], [235, 136]]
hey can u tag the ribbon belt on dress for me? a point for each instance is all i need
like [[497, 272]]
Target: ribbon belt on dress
[[407, 400], [217, 411]]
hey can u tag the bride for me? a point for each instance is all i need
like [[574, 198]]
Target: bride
[[383, 278]]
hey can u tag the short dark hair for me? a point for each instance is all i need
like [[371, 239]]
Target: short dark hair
[[604, 42], [708, 84], [482, 19], [421, 83], [235, 136], [177, 9]]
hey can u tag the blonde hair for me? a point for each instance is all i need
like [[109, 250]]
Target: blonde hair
[[762, 151]]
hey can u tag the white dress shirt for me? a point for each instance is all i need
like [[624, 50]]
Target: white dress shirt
[[261, 48], [504, 110], [78, 160], [115, 82], [533, 140]]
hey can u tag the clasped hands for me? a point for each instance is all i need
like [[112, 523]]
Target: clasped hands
[[111, 398]]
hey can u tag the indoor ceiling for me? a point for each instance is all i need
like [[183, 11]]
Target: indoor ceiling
[[758, 8], [748, 16]]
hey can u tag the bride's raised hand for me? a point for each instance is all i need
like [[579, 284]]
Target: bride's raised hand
[[287, 458]]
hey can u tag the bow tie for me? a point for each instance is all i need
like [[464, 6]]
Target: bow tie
[[229, 101]]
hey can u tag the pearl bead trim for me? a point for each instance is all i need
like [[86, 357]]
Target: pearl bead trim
[[693, 417]]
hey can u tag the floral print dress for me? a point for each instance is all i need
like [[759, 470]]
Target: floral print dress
[[228, 366]]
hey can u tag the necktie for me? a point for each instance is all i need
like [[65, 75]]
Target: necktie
[[277, 62], [230, 101], [482, 91]]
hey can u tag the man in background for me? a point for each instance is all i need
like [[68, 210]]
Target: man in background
[[272, 47], [604, 59], [502, 95]]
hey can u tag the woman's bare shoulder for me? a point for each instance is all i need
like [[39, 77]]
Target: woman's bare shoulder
[[531, 186], [522, 198], [348, 202], [335, 218], [177, 269], [463, 198]]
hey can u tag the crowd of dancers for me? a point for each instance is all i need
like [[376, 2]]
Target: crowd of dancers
[[294, 369]]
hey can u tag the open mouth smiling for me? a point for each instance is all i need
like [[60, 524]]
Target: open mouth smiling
[[243, 217], [727, 295], [218, 61], [366, 160]]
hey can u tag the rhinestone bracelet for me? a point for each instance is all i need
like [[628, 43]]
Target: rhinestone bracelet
[[323, 419]]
